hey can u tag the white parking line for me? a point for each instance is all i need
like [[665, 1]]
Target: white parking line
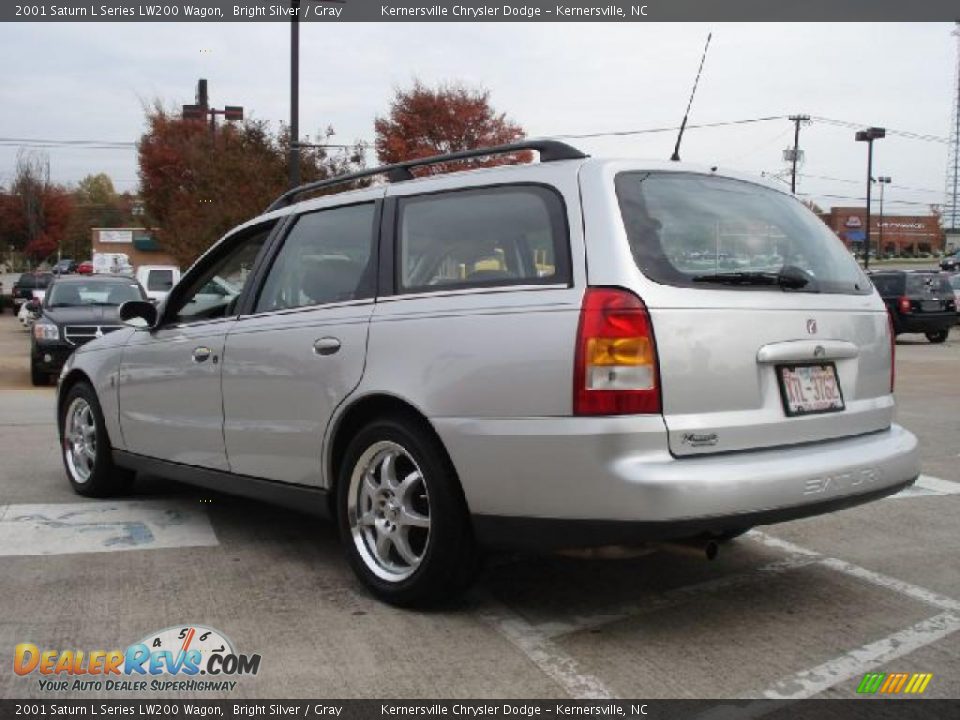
[[111, 526], [858, 662], [543, 652], [927, 485]]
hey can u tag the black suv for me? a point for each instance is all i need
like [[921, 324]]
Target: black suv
[[23, 288], [951, 262], [76, 310], [918, 301]]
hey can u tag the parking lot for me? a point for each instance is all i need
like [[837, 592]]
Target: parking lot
[[792, 611]]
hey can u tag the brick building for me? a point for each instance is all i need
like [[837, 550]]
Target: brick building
[[136, 243], [901, 234]]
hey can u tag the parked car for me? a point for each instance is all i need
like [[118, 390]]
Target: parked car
[[76, 310], [158, 280], [85, 268], [64, 266], [919, 301], [23, 288], [27, 313], [955, 284], [951, 263], [506, 357]]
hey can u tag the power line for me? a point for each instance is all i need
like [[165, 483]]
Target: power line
[[902, 133], [618, 133]]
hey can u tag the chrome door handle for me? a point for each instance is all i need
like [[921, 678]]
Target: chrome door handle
[[326, 346], [202, 354]]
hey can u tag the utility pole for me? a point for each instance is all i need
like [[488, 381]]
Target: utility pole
[[294, 163], [795, 155]]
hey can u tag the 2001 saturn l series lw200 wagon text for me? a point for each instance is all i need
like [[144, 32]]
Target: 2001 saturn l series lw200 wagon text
[[572, 353]]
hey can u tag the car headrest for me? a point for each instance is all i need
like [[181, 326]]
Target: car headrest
[[331, 280]]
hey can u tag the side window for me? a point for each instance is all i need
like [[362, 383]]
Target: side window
[[325, 258], [215, 292], [515, 235]]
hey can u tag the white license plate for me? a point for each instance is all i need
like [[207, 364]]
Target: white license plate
[[931, 306], [809, 389]]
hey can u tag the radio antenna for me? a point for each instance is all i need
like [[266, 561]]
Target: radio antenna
[[683, 126]]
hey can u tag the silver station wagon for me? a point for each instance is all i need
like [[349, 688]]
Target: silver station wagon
[[567, 354]]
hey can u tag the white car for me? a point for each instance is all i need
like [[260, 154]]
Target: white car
[[24, 315], [158, 280]]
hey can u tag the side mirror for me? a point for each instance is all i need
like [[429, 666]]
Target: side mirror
[[140, 314]]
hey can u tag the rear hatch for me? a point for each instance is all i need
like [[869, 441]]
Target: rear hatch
[[767, 332], [929, 293]]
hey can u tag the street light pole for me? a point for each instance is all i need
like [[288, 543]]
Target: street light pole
[[294, 161], [868, 136], [883, 180]]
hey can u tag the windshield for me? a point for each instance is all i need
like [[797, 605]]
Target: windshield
[[693, 230], [78, 294], [160, 280]]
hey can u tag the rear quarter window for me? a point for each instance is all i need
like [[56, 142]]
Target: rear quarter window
[[483, 237], [888, 285]]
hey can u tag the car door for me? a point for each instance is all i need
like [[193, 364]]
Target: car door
[[301, 349], [171, 406]]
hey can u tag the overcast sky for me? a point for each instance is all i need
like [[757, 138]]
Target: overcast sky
[[90, 81]]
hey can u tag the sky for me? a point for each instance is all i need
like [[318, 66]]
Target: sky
[[88, 81]]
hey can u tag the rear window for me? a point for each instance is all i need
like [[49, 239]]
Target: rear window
[[511, 235], [921, 284], [687, 229], [27, 281], [160, 280]]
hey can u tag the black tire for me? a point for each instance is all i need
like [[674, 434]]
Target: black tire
[[37, 377], [448, 558], [104, 478], [938, 337]]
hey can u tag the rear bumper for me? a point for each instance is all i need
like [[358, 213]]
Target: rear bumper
[[616, 480], [933, 322]]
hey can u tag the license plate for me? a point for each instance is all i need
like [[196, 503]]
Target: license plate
[[931, 306], [809, 389]]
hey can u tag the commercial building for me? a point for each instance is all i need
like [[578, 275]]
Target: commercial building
[[138, 245], [895, 235]]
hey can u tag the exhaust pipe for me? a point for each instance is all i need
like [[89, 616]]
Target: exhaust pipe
[[697, 548]]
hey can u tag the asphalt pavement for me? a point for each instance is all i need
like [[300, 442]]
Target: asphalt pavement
[[797, 610]]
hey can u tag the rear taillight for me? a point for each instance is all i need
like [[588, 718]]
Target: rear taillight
[[905, 305], [615, 370], [893, 350]]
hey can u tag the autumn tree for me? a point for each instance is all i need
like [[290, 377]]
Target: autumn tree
[[96, 204], [35, 212], [453, 117], [197, 185]]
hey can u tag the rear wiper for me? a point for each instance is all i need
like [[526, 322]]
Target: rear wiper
[[787, 277]]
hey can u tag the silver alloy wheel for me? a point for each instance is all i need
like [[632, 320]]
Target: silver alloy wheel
[[80, 440], [388, 508]]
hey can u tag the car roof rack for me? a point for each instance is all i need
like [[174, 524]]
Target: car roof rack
[[550, 151]]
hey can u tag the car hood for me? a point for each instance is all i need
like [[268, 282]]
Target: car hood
[[90, 315]]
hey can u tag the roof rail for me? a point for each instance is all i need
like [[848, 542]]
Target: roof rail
[[550, 151]]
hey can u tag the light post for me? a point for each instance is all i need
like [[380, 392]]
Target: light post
[[868, 136], [883, 180], [294, 161]]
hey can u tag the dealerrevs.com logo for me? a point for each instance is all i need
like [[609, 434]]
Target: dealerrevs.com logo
[[180, 658]]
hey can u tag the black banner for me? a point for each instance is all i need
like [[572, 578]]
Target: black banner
[[473, 11], [852, 709]]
